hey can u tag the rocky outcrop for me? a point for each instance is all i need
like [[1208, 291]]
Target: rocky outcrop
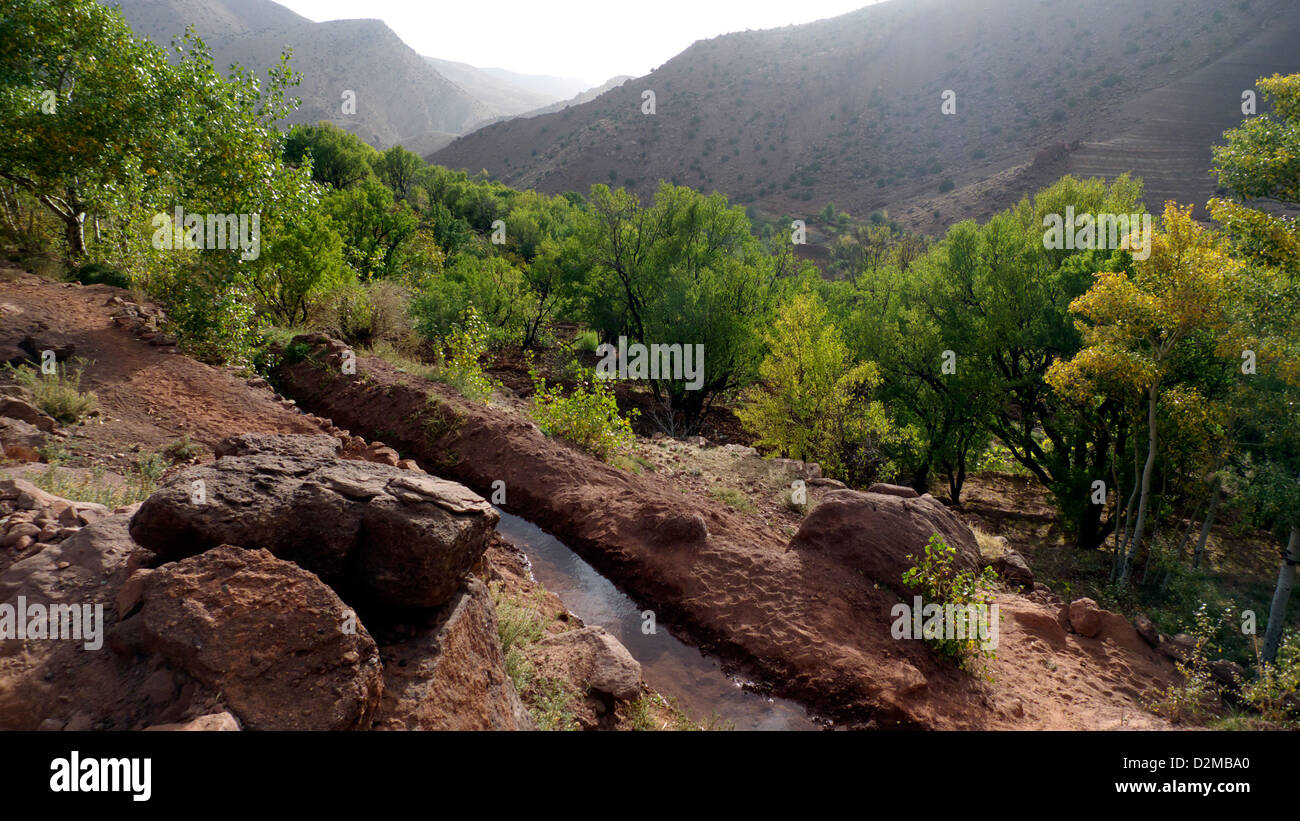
[[1012, 568], [397, 537], [219, 638], [1085, 617], [450, 674], [281, 646], [24, 428], [881, 535]]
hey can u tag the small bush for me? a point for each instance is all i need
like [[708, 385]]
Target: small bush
[[1198, 695], [733, 498], [946, 186], [588, 417], [97, 273], [1275, 692], [58, 394], [586, 341], [461, 368], [937, 580], [182, 450]]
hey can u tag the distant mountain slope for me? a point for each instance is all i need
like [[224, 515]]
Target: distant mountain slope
[[849, 109], [494, 88], [577, 99], [400, 97], [554, 88]]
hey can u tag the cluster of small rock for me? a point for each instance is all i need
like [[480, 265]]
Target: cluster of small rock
[[144, 321], [1086, 618], [33, 520]]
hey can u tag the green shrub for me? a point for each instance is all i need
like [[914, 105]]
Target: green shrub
[[213, 317], [587, 341], [58, 394], [182, 450], [733, 498], [588, 417], [98, 273], [1275, 692], [937, 580], [461, 367], [1198, 694]]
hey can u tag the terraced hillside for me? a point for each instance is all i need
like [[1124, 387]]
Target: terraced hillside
[[848, 110]]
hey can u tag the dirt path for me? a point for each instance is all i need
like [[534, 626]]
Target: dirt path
[[148, 396]]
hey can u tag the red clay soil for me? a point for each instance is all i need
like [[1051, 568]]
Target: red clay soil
[[147, 398], [808, 626]]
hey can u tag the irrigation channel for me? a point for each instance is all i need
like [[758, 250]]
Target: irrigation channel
[[668, 665]]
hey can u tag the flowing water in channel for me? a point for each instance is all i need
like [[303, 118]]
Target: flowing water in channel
[[668, 665]]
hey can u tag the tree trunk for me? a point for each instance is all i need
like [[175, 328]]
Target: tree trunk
[[1145, 498], [1208, 523], [1285, 581], [1130, 509]]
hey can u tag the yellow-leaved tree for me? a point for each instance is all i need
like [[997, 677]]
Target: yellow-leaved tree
[[1134, 322]]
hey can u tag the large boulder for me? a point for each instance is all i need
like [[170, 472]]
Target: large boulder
[[282, 648], [393, 536], [881, 535]]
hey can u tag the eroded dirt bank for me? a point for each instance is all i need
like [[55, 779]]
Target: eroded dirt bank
[[806, 621]]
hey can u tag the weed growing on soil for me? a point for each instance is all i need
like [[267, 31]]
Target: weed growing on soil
[[182, 450], [788, 501], [633, 463], [58, 394], [588, 417], [733, 498], [93, 488], [520, 624], [406, 364], [646, 712], [938, 581], [1274, 692], [1197, 697]]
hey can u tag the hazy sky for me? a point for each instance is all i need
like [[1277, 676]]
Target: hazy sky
[[590, 40]]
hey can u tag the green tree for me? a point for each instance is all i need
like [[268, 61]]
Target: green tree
[[398, 168], [299, 261], [685, 270], [87, 119], [373, 226], [814, 402], [339, 159], [1261, 161], [1135, 325]]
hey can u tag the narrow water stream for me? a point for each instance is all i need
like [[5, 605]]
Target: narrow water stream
[[668, 665]]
